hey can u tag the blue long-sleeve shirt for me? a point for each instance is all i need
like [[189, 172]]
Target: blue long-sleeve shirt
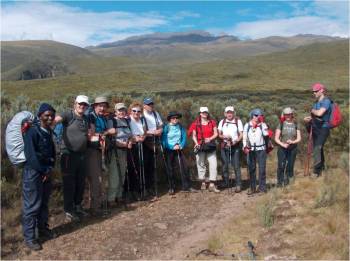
[[172, 135], [39, 149]]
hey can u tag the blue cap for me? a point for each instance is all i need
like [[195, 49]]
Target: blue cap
[[45, 107], [255, 112], [147, 101]]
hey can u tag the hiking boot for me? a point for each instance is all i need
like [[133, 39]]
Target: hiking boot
[[171, 191], [97, 212], [72, 217], [212, 188], [80, 211], [112, 204], [251, 192], [46, 233], [314, 175], [203, 186], [33, 245], [238, 189]]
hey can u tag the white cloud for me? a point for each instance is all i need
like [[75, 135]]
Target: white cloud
[[289, 27], [54, 21]]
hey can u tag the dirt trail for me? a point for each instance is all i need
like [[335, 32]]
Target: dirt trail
[[170, 228]]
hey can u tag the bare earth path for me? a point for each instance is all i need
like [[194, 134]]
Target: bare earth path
[[170, 228]]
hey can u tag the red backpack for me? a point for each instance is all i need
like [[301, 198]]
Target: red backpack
[[336, 118]]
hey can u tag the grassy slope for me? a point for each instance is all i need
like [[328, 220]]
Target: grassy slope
[[308, 220]]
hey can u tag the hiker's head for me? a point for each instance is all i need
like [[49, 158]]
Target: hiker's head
[[255, 114], [120, 110], [229, 112], [148, 104], [81, 104], [100, 105], [173, 117], [318, 89], [204, 112], [46, 114], [135, 110], [288, 114]]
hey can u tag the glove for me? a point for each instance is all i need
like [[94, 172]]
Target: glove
[[282, 119], [246, 150], [270, 133], [261, 118]]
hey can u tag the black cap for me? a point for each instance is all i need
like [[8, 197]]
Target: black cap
[[173, 114]]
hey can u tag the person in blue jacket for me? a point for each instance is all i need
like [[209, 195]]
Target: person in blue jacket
[[173, 141], [39, 150]]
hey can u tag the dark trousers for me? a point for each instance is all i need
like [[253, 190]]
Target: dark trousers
[[286, 160], [177, 157], [253, 158], [319, 138], [225, 156], [73, 176], [35, 211], [134, 169], [148, 157]]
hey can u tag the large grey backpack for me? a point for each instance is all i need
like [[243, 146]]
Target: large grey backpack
[[14, 137]]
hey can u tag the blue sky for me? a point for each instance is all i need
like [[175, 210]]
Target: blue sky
[[86, 23]]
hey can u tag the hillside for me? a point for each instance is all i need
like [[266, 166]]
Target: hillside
[[292, 69], [201, 46], [38, 59]]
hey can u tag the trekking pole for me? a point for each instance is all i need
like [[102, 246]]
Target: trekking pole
[[285, 173], [140, 169], [229, 173], [180, 166], [155, 167], [143, 171], [309, 150], [164, 160]]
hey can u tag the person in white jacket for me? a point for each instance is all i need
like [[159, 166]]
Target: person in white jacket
[[254, 145]]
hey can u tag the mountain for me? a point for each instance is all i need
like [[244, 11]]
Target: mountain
[[38, 59], [200, 46]]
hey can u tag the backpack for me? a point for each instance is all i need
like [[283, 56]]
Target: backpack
[[15, 129], [336, 117], [267, 140]]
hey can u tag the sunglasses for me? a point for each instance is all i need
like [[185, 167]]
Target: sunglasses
[[256, 115], [314, 91], [82, 104], [136, 111]]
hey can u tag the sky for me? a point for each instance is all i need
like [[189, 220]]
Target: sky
[[86, 23]]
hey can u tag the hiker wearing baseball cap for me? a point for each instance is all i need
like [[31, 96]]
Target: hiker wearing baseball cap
[[154, 129], [118, 154], [318, 124], [73, 157], [96, 154], [174, 141], [39, 151], [204, 133], [231, 133], [254, 146], [287, 136]]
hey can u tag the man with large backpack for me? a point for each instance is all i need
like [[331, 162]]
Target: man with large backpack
[[73, 157], [231, 133], [39, 151], [154, 129], [319, 125]]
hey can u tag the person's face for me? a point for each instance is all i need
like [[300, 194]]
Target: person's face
[[204, 115], [121, 113], [174, 120], [149, 107], [80, 107], [255, 118], [229, 115], [46, 118], [101, 108], [136, 112], [288, 116], [317, 94]]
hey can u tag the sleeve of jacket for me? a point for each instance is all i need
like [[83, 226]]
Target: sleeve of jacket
[[245, 135], [164, 137], [183, 137], [30, 140]]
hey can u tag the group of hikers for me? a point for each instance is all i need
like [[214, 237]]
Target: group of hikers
[[126, 143]]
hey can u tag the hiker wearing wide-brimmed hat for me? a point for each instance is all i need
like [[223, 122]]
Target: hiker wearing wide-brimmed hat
[[73, 157], [231, 134], [174, 141], [319, 125], [96, 151], [204, 133], [287, 136]]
